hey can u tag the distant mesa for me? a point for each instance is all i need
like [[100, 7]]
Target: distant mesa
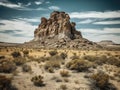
[[106, 42]]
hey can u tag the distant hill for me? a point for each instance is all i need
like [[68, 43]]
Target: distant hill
[[106, 42], [8, 44]]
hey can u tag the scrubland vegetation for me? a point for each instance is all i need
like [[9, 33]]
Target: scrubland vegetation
[[40, 69]]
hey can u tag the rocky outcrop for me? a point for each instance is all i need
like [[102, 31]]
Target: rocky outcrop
[[58, 26], [59, 32]]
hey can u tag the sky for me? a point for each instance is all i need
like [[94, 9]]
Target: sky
[[96, 19]]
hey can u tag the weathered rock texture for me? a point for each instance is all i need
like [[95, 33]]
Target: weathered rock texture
[[58, 26], [59, 32]]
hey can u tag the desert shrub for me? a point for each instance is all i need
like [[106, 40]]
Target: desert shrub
[[117, 75], [100, 60], [52, 53], [63, 87], [38, 80], [52, 64], [75, 57], [64, 73], [32, 58], [74, 54], [113, 61], [76, 82], [79, 65], [19, 61], [66, 80], [7, 66], [43, 59], [91, 58], [2, 57], [26, 53], [56, 57], [26, 68], [97, 59], [5, 83], [63, 55], [16, 54], [51, 70], [100, 80]]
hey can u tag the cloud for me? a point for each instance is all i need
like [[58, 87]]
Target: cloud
[[38, 2], [28, 4], [4, 37], [41, 9], [22, 30], [102, 34], [95, 14], [107, 22], [101, 31], [10, 5], [19, 6], [99, 21], [86, 21], [16, 24], [30, 19], [99, 38], [54, 8]]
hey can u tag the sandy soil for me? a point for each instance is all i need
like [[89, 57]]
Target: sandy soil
[[76, 81]]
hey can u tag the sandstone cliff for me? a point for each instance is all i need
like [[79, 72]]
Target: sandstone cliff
[[58, 26]]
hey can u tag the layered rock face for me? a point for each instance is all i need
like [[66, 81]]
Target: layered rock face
[[59, 32], [58, 26]]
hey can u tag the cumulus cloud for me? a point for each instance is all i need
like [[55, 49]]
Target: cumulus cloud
[[30, 19], [99, 22], [28, 4], [97, 38], [15, 24], [101, 31], [107, 22], [4, 37], [54, 8], [95, 14], [86, 21], [102, 34], [25, 30], [38, 2], [19, 6], [10, 4]]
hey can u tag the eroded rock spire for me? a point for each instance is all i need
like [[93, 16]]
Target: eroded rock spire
[[58, 26]]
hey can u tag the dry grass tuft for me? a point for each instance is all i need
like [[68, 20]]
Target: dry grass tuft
[[38, 80], [64, 73], [79, 65]]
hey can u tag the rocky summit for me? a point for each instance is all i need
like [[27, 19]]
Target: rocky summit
[[57, 26], [59, 32]]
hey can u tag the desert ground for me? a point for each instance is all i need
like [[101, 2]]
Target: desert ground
[[59, 69]]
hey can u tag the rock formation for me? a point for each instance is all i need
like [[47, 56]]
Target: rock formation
[[58, 26], [59, 32]]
